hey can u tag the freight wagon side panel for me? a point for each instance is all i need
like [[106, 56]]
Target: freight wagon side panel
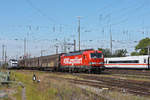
[[50, 61]]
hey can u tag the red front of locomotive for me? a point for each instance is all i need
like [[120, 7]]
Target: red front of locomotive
[[96, 58], [90, 59]]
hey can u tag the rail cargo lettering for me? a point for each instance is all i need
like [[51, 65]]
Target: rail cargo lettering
[[79, 61], [72, 61]]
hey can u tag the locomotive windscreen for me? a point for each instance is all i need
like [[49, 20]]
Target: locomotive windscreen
[[96, 55]]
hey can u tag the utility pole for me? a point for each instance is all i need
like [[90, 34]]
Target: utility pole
[[42, 52], [56, 49], [68, 49], [74, 45], [79, 30], [65, 46], [5, 55], [3, 46], [54, 28], [110, 40], [24, 47]]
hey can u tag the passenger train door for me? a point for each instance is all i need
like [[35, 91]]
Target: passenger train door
[[148, 62]]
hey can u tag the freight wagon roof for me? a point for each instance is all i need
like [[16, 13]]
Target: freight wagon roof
[[54, 55]]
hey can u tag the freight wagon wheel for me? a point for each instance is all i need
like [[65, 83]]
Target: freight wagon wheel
[[75, 70], [97, 72], [89, 71], [70, 70]]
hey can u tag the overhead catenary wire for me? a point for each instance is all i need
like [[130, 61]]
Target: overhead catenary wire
[[130, 35], [124, 13], [40, 11]]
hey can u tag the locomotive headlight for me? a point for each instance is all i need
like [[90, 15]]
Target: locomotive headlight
[[92, 62], [101, 62]]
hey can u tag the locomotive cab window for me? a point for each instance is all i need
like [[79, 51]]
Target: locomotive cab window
[[83, 56], [96, 55]]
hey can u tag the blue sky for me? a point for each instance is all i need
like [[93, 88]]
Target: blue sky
[[44, 21]]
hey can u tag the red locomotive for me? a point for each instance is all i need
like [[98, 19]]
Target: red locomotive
[[88, 60], [79, 61]]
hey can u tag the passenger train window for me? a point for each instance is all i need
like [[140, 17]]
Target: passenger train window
[[125, 61], [144, 60]]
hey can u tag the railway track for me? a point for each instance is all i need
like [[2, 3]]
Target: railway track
[[112, 87], [122, 85], [127, 72], [136, 87]]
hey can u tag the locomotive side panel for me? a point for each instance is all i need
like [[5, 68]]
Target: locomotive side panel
[[83, 59]]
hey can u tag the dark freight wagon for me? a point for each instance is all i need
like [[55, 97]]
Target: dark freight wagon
[[50, 62]]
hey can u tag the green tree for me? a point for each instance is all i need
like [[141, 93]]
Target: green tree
[[134, 54], [117, 53], [142, 47], [106, 52], [120, 53]]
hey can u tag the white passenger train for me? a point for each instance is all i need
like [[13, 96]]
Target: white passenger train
[[129, 62], [12, 63]]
